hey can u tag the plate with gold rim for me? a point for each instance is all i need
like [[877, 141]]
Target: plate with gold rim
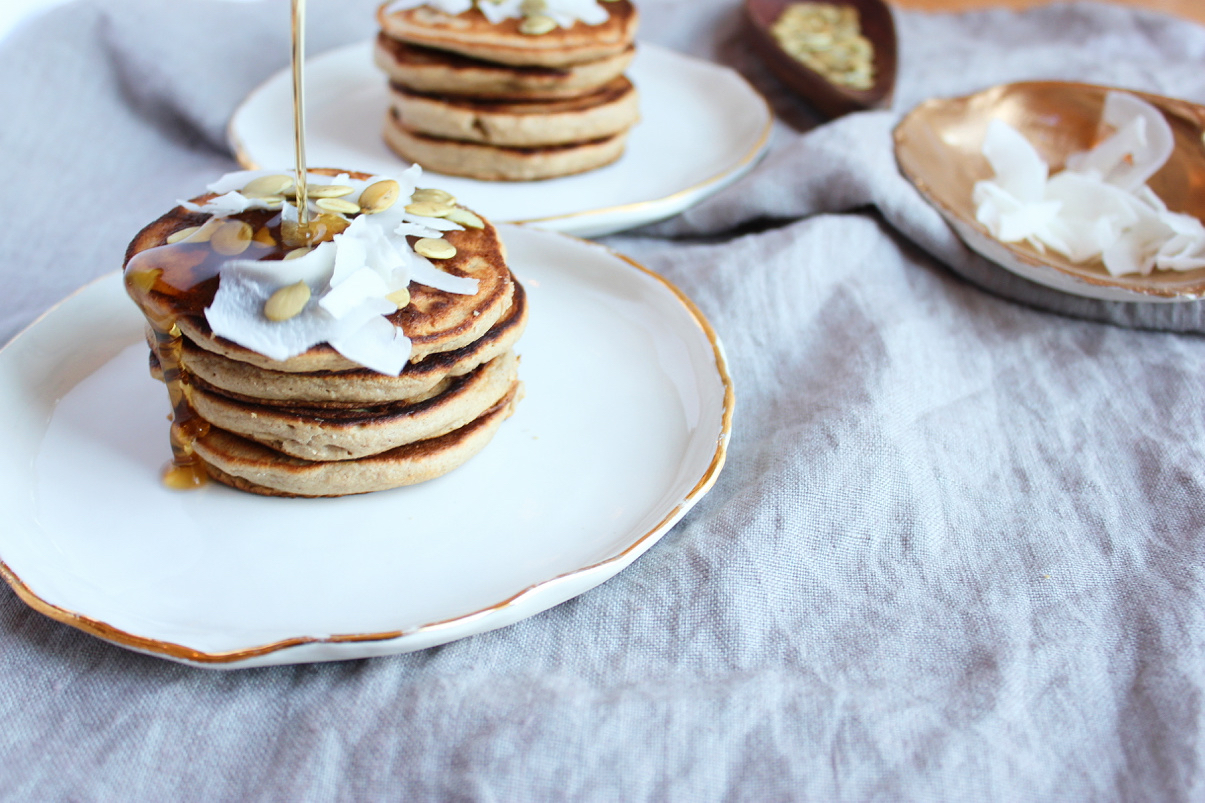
[[938, 147], [623, 428], [703, 126]]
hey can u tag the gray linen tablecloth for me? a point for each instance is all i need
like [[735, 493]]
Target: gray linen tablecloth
[[956, 553]]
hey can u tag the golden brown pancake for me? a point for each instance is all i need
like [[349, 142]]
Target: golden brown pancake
[[316, 432], [606, 111], [471, 34], [360, 386], [495, 163], [439, 72], [253, 467]]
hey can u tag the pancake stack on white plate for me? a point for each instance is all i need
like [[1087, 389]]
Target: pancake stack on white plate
[[496, 93], [334, 367]]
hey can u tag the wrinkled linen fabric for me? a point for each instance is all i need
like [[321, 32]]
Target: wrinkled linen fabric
[[957, 551]]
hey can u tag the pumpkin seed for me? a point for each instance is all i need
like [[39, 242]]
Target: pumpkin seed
[[435, 248], [379, 196], [432, 194], [465, 218], [266, 186], [400, 297], [327, 191], [182, 234], [429, 209], [337, 206], [287, 302], [537, 25], [231, 238]]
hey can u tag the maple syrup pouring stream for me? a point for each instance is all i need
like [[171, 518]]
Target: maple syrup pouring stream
[[303, 206]]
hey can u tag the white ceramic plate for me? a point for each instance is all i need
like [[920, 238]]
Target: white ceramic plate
[[623, 428], [703, 127]]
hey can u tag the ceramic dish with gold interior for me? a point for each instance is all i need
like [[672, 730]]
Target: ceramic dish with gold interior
[[938, 147], [623, 428]]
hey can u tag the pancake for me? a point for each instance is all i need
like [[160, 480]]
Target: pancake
[[358, 386], [325, 433], [494, 163], [471, 34], [434, 320], [606, 111], [253, 467], [440, 73]]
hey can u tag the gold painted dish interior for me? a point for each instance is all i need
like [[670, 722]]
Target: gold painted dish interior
[[938, 147]]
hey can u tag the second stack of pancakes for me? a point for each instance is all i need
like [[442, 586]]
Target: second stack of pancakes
[[488, 101]]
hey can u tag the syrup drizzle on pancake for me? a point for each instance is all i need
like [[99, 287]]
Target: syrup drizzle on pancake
[[171, 281]]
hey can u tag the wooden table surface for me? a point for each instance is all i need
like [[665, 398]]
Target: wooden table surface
[[1189, 9]]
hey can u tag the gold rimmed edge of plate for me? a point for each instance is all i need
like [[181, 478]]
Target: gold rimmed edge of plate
[[1089, 273], [748, 159], [180, 652]]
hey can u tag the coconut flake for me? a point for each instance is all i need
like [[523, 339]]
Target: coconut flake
[[1141, 143], [224, 205], [363, 285], [237, 309], [426, 273], [241, 178], [349, 279], [377, 345], [497, 12], [1020, 170], [1100, 207]]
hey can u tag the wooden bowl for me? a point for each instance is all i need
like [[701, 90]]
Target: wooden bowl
[[831, 99]]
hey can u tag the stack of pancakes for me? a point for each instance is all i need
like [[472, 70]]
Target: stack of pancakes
[[318, 424], [487, 101]]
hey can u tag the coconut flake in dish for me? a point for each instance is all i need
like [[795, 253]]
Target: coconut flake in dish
[[1100, 206], [349, 278]]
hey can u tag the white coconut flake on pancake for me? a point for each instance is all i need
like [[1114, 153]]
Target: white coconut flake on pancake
[[361, 286], [225, 205], [349, 278], [377, 344], [424, 272], [1100, 206]]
